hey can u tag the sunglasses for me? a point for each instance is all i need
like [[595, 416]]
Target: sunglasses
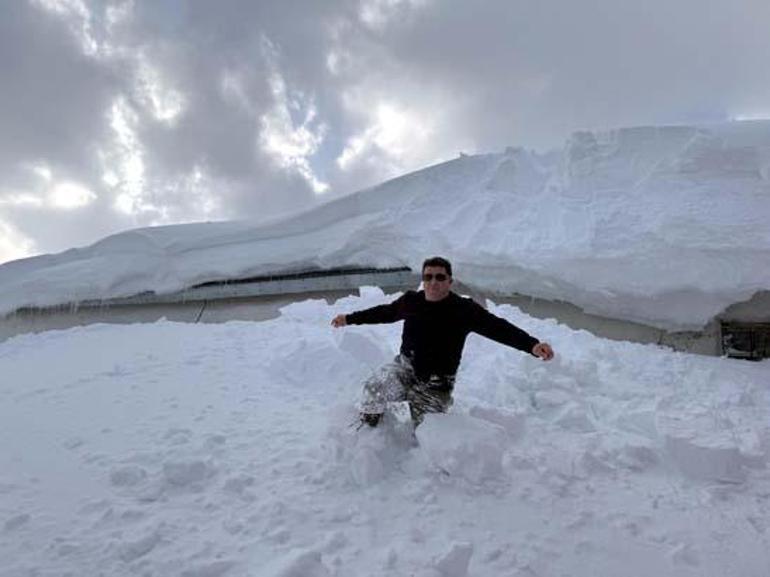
[[440, 277]]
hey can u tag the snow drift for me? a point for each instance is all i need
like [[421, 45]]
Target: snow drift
[[226, 450]]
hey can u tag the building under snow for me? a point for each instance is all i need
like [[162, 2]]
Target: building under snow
[[653, 235]]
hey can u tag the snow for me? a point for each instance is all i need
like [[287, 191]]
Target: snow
[[225, 450], [661, 225]]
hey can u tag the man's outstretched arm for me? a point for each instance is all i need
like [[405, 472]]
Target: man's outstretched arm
[[389, 313], [498, 329]]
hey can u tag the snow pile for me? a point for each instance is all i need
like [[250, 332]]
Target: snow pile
[[666, 226], [463, 446], [176, 449]]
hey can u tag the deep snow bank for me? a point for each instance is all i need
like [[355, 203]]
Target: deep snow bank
[[666, 226], [177, 449]]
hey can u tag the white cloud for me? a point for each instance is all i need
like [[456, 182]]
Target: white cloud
[[123, 160], [751, 115], [377, 14], [392, 130], [290, 132], [165, 103], [41, 170], [13, 244], [44, 191], [78, 18], [232, 85], [421, 127], [70, 195], [22, 199]]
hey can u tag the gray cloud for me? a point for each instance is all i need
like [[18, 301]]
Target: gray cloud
[[544, 69], [174, 111], [53, 97]]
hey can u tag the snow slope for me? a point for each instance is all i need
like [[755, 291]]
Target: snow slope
[[207, 450], [667, 226]]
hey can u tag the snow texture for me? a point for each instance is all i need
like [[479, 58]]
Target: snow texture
[[662, 225], [226, 450]]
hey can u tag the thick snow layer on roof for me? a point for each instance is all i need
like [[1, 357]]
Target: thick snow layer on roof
[[663, 225]]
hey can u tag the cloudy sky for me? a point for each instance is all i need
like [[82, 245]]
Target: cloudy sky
[[118, 114]]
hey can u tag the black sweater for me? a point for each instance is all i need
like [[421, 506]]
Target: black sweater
[[434, 332]]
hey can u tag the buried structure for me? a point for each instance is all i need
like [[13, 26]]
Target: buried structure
[[650, 234], [741, 331]]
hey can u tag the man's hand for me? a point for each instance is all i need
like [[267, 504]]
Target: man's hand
[[543, 350], [339, 321]]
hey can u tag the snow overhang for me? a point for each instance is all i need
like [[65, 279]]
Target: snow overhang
[[337, 279]]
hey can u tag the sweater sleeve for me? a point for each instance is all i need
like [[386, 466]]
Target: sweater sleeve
[[389, 313], [493, 327]]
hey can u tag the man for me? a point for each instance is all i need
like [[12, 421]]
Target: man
[[436, 324]]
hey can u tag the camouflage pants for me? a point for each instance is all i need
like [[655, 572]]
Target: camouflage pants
[[396, 381]]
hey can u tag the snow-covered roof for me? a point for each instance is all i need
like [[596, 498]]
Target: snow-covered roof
[[663, 225]]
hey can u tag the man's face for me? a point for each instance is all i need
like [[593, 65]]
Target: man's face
[[436, 283]]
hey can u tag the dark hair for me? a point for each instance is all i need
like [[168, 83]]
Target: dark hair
[[438, 261]]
